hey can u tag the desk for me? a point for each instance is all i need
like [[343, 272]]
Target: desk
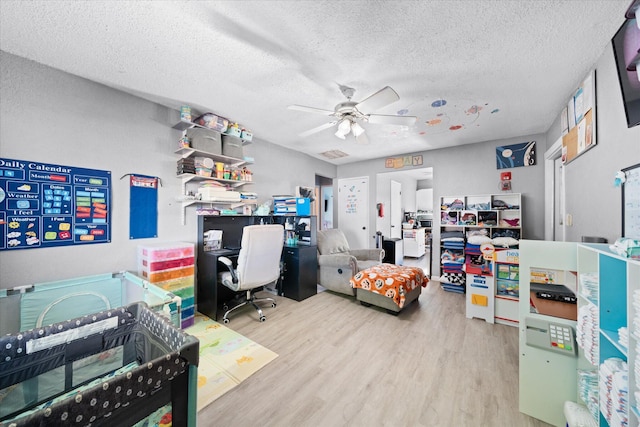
[[209, 292], [299, 280]]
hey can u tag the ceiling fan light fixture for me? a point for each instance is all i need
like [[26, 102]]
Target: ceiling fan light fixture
[[344, 127], [356, 129]]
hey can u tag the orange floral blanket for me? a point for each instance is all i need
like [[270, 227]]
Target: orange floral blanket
[[393, 281]]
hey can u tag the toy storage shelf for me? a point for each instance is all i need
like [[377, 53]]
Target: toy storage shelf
[[499, 214], [607, 287], [506, 271]]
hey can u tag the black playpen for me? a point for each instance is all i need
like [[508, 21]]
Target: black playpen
[[120, 367]]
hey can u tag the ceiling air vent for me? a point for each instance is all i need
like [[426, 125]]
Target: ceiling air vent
[[334, 154]]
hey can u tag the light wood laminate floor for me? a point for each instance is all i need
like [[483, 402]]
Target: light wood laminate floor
[[343, 364]]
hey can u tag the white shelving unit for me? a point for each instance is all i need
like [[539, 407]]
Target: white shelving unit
[[499, 214], [607, 333], [506, 271], [187, 178], [608, 298], [547, 374]]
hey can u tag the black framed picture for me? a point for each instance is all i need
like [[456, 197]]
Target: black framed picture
[[626, 48]]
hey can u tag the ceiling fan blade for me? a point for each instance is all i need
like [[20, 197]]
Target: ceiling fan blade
[[381, 98], [362, 139], [311, 110], [318, 129], [392, 120]]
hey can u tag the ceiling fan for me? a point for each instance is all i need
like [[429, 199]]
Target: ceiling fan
[[348, 114]]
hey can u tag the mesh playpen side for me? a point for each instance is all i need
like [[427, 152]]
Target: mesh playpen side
[[118, 367], [32, 306]]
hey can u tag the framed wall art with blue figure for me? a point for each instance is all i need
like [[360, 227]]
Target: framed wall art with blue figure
[[516, 155]]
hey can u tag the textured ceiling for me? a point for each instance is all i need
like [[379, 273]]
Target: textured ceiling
[[505, 68]]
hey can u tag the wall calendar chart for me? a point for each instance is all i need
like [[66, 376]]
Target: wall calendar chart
[[46, 205]]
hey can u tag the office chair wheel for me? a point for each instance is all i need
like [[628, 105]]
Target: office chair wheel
[[225, 307], [273, 305], [262, 318], [225, 320]]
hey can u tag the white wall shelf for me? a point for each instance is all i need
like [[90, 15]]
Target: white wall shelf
[[188, 152], [183, 125], [187, 178]]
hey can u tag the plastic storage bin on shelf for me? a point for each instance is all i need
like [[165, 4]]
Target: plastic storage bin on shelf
[[212, 121], [171, 266]]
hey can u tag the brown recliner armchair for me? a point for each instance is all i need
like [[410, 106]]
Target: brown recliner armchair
[[337, 263]]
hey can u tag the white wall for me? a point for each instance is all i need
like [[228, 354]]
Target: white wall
[[468, 170], [591, 198], [424, 199], [53, 117]]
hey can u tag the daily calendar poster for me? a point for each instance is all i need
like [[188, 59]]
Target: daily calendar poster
[[45, 205]]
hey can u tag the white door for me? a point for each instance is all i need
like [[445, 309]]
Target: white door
[[353, 211], [395, 209]]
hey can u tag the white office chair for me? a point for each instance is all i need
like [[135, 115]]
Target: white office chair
[[258, 265]]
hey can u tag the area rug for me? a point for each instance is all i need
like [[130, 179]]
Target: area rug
[[226, 358]]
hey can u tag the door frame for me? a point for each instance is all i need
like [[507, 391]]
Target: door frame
[[550, 156], [395, 212]]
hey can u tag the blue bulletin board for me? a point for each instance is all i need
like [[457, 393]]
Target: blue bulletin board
[[44, 205], [143, 206]]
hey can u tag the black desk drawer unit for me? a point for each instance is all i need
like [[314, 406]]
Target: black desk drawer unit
[[300, 278]]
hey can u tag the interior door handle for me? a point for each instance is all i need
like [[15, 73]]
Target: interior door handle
[[364, 228]]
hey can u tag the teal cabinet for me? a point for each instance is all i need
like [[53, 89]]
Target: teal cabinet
[[608, 327]]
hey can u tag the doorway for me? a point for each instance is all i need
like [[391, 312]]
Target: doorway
[[324, 208], [410, 181], [554, 194], [416, 201], [395, 210]]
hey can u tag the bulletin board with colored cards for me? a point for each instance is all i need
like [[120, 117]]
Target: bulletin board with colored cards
[[45, 205]]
